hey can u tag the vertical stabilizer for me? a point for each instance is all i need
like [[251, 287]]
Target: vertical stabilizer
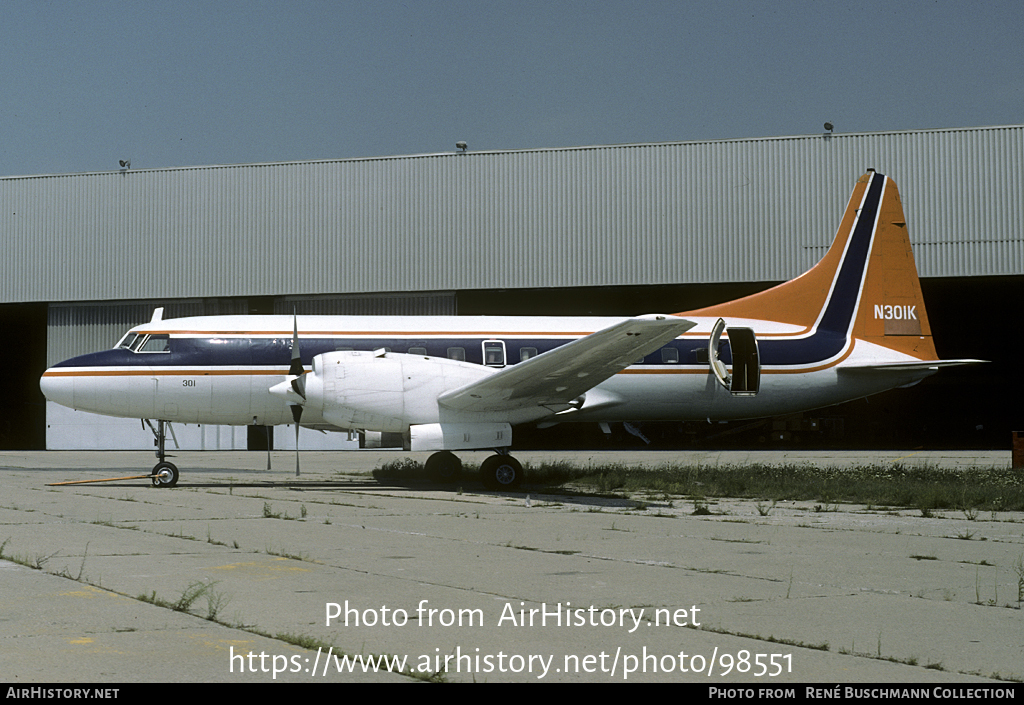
[[866, 285], [891, 311]]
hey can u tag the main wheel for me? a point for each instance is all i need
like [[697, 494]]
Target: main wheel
[[443, 466], [165, 475], [501, 472]]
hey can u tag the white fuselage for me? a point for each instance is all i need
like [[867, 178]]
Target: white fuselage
[[219, 370]]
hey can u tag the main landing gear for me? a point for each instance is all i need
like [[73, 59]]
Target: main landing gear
[[165, 474], [443, 466], [501, 472], [498, 472]]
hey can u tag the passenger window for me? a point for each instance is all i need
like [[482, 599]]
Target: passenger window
[[494, 353], [457, 354], [155, 344], [669, 355], [527, 353], [418, 351]]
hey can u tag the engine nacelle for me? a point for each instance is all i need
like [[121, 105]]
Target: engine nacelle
[[459, 436], [386, 392]]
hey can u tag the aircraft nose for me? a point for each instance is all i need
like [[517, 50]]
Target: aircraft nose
[[58, 387]]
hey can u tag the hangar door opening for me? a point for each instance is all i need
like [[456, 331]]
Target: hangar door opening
[[22, 405]]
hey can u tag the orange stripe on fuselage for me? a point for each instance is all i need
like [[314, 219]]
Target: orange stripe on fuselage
[[435, 334], [158, 372], [370, 334]]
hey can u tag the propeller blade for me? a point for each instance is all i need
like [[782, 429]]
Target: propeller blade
[[298, 383], [299, 386], [269, 443], [296, 367]]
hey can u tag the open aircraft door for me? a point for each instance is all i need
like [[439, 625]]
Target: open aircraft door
[[745, 378]]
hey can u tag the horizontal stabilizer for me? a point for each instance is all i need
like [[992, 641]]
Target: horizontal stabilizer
[[915, 366]]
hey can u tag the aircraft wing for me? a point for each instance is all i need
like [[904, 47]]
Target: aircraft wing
[[559, 376]]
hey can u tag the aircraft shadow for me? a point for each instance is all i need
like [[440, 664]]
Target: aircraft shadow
[[469, 484]]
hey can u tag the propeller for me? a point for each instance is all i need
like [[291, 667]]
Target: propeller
[[298, 383], [293, 389]]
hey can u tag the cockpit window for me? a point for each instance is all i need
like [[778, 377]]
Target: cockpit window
[[127, 340], [155, 344]]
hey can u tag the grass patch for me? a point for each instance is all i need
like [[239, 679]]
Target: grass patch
[[215, 601], [402, 469], [894, 485], [926, 488], [823, 646]]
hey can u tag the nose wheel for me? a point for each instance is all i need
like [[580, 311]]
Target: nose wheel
[[164, 475]]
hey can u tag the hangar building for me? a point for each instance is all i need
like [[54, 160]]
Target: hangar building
[[622, 229]]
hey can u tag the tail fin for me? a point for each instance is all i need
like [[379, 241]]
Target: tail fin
[[866, 285]]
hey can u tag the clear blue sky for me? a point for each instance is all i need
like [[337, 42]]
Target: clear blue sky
[[180, 82]]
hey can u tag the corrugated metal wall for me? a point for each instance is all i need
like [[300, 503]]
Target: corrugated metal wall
[[691, 212], [83, 328], [440, 304], [76, 329]]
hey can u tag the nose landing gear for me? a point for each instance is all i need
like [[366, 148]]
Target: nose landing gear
[[165, 474]]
